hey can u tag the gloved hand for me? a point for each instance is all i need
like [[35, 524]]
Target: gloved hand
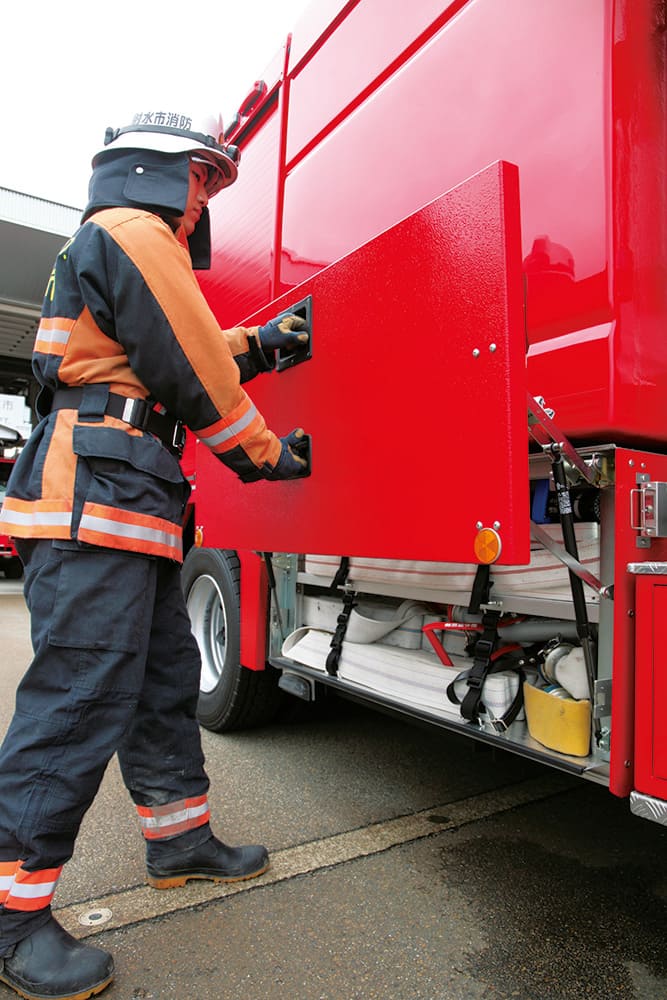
[[283, 333], [293, 461]]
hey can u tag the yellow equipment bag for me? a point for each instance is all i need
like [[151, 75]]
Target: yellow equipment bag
[[561, 724]]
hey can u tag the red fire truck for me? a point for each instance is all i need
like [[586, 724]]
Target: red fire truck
[[466, 201]]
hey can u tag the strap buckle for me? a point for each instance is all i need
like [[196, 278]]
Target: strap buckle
[[475, 681], [483, 649], [499, 725], [136, 412], [140, 414], [178, 438]]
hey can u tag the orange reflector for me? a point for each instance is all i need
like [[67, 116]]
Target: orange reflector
[[199, 536], [487, 545]]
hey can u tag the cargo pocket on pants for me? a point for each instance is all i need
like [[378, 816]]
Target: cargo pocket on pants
[[104, 598]]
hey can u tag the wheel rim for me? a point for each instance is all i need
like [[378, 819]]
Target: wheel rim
[[209, 627]]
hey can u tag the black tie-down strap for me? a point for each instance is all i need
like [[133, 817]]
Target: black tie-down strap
[[341, 574], [484, 649], [481, 589], [339, 635], [487, 659], [496, 666], [343, 618]]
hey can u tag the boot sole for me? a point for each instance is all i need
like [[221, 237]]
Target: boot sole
[[176, 881], [91, 991]]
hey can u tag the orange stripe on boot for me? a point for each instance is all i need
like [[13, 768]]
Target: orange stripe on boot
[[159, 822]]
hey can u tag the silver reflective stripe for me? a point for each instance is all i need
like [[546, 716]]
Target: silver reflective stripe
[[48, 519], [53, 336], [32, 890], [158, 822], [5, 882], [229, 432], [107, 526]]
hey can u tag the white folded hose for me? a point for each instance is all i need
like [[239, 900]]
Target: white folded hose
[[361, 628]]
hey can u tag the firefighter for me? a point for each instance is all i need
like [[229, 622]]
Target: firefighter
[[127, 352]]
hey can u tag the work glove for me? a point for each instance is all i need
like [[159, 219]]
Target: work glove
[[286, 332], [293, 461]]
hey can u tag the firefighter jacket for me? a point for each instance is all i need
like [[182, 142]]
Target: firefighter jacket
[[123, 313]]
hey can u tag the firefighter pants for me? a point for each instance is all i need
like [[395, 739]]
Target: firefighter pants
[[115, 669]]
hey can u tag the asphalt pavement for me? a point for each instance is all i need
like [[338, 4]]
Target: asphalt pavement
[[406, 865]]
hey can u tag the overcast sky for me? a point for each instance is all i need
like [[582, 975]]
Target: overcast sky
[[70, 68]]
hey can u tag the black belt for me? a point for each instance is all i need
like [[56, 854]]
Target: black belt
[[136, 412]]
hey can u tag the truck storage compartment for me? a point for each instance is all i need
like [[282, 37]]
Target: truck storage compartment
[[544, 576], [415, 657], [651, 677]]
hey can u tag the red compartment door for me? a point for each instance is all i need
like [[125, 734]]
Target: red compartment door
[[651, 684], [414, 396]]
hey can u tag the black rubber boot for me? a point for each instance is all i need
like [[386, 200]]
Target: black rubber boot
[[211, 860], [50, 964]]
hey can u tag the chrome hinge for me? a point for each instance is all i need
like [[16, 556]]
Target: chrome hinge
[[648, 509], [602, 707]]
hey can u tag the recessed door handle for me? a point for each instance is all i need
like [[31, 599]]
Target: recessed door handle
[[288, 359]]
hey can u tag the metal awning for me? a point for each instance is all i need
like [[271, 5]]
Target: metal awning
[[32, 231]]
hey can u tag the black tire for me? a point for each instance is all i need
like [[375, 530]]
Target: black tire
[[13, 568], [231, 696]]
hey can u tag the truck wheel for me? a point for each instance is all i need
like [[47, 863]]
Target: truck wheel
[[230, 696], [13, 568]]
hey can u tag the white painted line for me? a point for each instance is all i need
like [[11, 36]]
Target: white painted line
[[142, 903]]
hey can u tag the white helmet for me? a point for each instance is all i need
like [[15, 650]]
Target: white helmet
[[173, 132]]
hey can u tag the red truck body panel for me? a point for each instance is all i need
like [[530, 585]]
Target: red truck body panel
[[439, 293], [629, 717], [380, 123], [651, 684]]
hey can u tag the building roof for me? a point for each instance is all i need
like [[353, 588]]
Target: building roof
[[32, 231]]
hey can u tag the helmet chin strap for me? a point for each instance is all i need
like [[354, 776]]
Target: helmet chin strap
[[199, 243]]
